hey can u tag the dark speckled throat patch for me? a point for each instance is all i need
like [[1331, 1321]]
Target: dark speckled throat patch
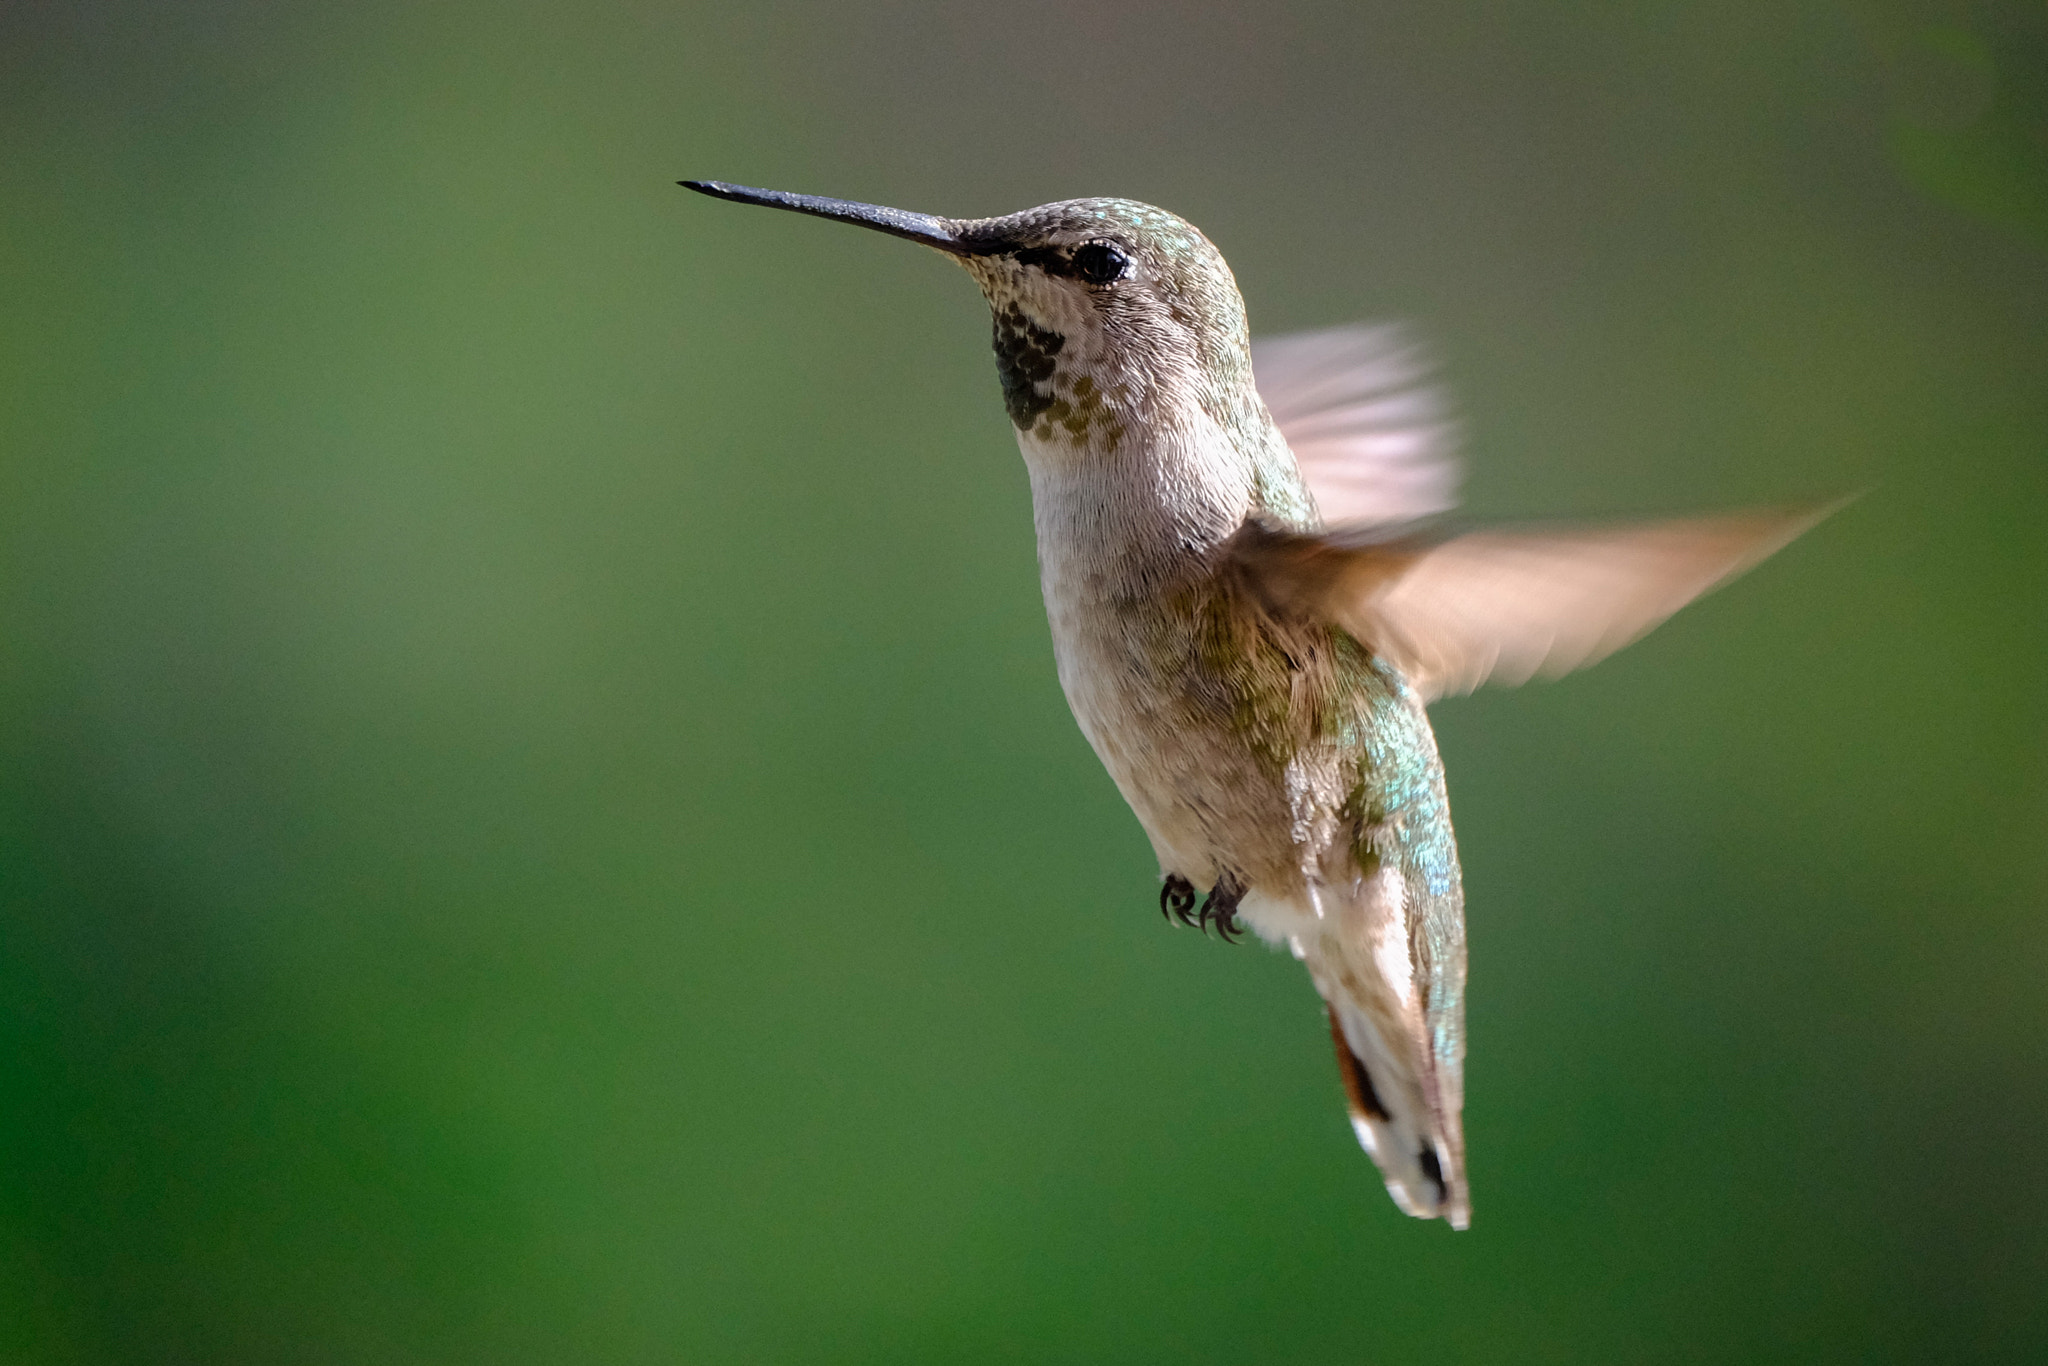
[[1024, 360]]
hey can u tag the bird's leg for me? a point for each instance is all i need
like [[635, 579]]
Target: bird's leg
[[1222, 903], [1177, 898]]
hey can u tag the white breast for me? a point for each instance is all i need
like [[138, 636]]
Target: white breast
[[1116, 531]]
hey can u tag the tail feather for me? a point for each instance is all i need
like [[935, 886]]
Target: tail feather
[[1421, 1163], [1394, 994]]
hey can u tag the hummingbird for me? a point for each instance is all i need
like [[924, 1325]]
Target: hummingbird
[[1252, 604]]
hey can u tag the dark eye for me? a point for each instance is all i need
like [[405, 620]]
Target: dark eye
[[1098, 262]]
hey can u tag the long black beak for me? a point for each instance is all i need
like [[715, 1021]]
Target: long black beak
[[918, 227]]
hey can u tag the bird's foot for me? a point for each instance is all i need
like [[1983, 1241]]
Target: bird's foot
[[1222, 904], [1177, 898]]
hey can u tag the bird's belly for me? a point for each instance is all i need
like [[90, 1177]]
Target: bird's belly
[[1205, 799]]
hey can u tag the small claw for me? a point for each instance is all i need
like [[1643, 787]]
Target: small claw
[[1222, 903], [1177, 898]]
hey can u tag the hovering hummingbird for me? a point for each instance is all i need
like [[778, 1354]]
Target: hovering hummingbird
[[1249, 615]]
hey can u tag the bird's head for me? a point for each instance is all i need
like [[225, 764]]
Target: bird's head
[[1108, 312]]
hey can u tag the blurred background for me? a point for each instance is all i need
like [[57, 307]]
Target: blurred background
[[536, 819]]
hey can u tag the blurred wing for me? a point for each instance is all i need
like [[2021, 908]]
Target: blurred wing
[[1373, 436], [1503, 606]]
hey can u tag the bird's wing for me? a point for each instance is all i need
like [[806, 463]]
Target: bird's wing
[[1374, 437], [1506, 604]]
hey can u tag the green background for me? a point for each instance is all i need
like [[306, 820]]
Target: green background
[[537, 823]]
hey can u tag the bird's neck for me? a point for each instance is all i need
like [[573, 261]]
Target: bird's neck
[[1123, 517]]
